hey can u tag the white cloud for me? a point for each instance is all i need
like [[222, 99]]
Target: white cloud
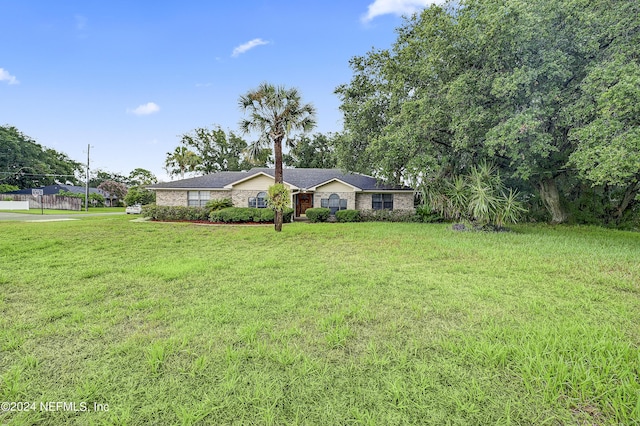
[[5, 76], [81, 22], [247, 46], [396, 7], [146, 109]]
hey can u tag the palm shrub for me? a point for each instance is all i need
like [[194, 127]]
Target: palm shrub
[[218, 204], [278, 199], [479, 197]]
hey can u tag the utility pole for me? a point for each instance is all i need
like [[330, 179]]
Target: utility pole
[[86, 192]]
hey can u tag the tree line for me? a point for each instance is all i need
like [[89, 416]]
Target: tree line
[[208, 150], [547, 91]]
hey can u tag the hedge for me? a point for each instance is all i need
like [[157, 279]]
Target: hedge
[[389, 216], [348, 216], [317, 214], [175, 212], [247, 214]]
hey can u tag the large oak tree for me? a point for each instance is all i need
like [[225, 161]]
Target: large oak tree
[[531, 85]]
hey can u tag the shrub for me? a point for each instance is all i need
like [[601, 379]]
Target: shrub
[[479, 197], [348, 216], [389, 216], [174, 212], [287, 215], [426, 214], [223, 203], [247, 214], [317, 214], [233, 215], [264, 215]]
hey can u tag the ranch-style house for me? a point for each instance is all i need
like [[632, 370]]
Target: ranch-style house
[[331, 188]]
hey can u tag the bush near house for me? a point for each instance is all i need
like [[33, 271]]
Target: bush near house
[[219, 204], [175, 212], [348, 216], [247, 214], [389, 216], [317, 214]]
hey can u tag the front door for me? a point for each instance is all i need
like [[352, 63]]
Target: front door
[[305, 201]]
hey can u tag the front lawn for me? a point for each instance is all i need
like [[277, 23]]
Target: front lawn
[[366, 323]]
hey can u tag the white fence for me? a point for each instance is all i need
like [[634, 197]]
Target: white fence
[[58, 202], [14, 205]]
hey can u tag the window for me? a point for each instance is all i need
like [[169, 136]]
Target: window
[[197, 198], [259, 201], [382, 201], [334, 203]]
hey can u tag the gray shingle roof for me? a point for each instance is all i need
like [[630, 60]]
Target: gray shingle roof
[[212, 181], [302, 178], [55, 189]]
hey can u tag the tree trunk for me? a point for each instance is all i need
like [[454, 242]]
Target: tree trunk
[[551, 200], [277, 148], [629, 196], [278, 221]]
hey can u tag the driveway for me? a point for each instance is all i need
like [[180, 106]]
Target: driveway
[[21, 217]]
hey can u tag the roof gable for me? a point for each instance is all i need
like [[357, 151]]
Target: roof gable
[[334, 184], [245, 182]]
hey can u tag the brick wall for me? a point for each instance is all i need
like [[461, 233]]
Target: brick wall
[[349, 196], [179, 197], [401, 201], [171, 198], [240, 197]]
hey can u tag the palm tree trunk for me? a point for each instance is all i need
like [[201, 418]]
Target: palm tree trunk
[[277, 221], [277, 148]]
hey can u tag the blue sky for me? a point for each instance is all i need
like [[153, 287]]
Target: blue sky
[[129, 77]]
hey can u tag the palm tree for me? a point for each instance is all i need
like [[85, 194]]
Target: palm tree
[[181, 160], [275, 112]]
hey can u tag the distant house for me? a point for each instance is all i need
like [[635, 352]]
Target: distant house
[[329, 188], [55, 190]]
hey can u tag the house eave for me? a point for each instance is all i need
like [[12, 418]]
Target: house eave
[[388, 190], [188, 189], [315, 188], [232, 184]]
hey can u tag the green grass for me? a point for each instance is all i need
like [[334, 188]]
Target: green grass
[[368, 323], [54, 211]]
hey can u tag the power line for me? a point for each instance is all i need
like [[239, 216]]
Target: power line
[[32, 174]]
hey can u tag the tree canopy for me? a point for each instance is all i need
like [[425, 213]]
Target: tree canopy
[[547, 90], [182, 160], [218, 150], [25, 163], [316, 151]]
